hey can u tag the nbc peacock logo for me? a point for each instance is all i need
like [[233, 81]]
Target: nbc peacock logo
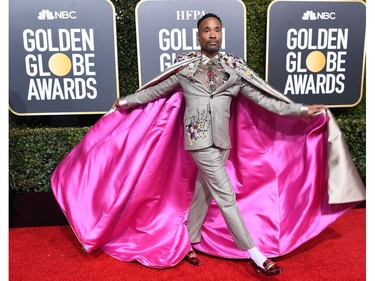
[[310, 15], [46, 14]]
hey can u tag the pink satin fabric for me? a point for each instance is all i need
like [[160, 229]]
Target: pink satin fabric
[[127, 186]]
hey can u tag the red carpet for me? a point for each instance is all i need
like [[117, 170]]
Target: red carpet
[[53, 253]]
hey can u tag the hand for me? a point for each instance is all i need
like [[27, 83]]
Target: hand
[[315, 108], [116, 104]]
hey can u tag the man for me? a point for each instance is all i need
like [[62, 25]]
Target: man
[[209, 84]]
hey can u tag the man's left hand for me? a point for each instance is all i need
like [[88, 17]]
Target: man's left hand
[[315, 108]]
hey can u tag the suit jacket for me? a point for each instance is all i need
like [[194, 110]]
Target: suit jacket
[[206, 117]]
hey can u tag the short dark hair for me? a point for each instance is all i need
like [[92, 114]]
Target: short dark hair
[[208, 15]]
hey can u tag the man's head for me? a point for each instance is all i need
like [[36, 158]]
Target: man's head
[[209, 34]]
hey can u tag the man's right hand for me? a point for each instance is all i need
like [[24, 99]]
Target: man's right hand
[[116, 104]]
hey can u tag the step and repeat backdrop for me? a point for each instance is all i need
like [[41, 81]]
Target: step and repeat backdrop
[[63, 53]]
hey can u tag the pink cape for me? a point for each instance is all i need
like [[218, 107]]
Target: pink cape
[[127, 185]]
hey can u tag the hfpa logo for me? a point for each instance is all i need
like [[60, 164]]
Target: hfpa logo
[[48, 15], [189, 15], [310, 15]]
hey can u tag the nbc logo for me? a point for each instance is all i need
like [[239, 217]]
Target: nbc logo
[[45, 15], [310, 15], [48, 15]]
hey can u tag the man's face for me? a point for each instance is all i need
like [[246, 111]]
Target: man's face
[[210, 36]]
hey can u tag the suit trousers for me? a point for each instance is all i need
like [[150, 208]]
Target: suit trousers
[[213, 183]]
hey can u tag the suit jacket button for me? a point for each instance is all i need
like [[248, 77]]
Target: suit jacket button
[[211, 97]]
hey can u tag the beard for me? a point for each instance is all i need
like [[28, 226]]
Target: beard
[[211, 49]]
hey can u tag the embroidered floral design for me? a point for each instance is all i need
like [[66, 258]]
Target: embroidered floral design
[[190, 55], [190, 71], [219, 76], [198, 126], [238, 65]]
